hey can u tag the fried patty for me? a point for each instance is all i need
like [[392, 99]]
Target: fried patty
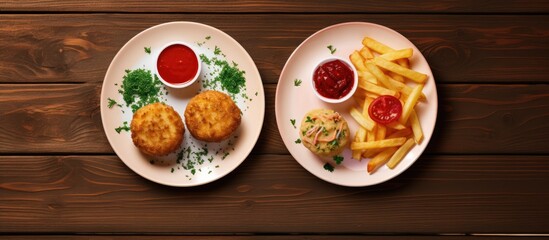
[[157, 129], [212, 116]]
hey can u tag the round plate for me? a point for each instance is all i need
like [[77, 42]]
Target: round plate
[[198, 162], [344, 38]]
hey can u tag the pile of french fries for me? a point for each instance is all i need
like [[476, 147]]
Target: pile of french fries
[[383, 70]]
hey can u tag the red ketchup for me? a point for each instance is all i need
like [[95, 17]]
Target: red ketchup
[[177, 64], [333, 79]]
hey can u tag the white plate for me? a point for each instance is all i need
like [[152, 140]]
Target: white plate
[[205, 39], [294, 102]]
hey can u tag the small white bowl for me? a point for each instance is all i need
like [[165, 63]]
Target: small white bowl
[[178, 85], [349, 94]]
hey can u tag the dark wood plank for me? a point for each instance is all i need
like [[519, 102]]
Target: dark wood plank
[[266, 237], [274, 194], [51, 118], [459, 48], [487, 119], [446, 6]]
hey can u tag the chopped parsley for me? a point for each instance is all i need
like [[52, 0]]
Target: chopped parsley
[[231, 78], [139, 88], [172, 170], [208, 37], [332, 49], [193, 171], [224, 156], [204, 59], [309, 119], [338, 159], [297, 82], [217, 50], [298, 141], [292, 121], [112, 102], [124, 127], [148, 50], [329, 167]]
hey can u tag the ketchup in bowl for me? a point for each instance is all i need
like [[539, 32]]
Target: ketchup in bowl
[[178, 64], [334, 79]]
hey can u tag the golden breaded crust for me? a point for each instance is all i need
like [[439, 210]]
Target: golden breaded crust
[[157, 129], [212, 116]]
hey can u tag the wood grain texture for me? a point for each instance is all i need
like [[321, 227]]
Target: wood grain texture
[[445, 6], [51, 118], [267, 237], [460, 48], [472, 119], [274, 194]]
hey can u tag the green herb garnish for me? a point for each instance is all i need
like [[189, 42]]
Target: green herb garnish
[[139, 88], [217, 50], [204, 59], [292, 121], [208, 37], [124, 127], [332, 49], [338, 159], [309, 119], [193, 171], [329, 167], [111, 103], [231, 78], [297, 82], [148, 50], [298, 141]]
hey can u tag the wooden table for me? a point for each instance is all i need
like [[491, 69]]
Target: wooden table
[[485, 172]]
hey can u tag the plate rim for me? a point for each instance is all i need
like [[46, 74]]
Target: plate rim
[[261, 90]]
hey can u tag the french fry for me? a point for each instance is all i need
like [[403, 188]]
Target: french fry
[[360, 137], [373, 88], [385, 74], [405, 89], [371, 135], [398, 54], [366, 105], [400, 153], [380, 76], [405, 133], [366, 53], [393, 67], [393, 142], [380, 132], [416, 127], [357, 61], [404, 62], [396, 77], [367, 77], [376, 46], [380, 159], [360, 119], [396, 125], [410, 103]]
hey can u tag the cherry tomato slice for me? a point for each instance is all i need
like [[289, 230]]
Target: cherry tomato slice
[[385, 109]]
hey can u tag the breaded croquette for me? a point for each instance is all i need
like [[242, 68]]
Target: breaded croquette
[[157, 129], [212, 116]]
